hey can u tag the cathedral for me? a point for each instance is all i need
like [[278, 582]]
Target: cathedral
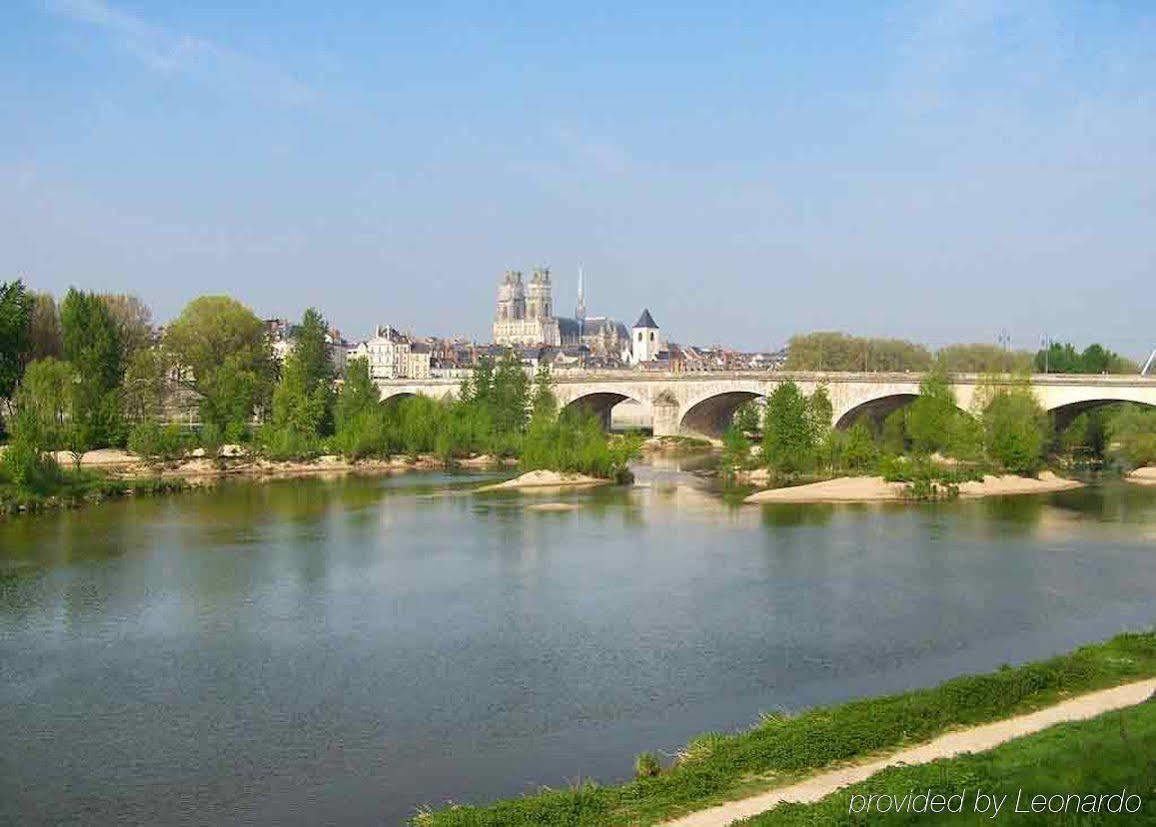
[[525, 317]]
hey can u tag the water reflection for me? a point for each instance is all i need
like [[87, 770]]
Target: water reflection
[[343, 650]]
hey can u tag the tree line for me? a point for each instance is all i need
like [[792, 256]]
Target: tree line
[[931, 438], [834, 351], [90, 373]]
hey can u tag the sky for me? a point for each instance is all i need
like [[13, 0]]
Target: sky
[[940, 171]]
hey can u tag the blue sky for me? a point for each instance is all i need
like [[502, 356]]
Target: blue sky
[[941, 170]]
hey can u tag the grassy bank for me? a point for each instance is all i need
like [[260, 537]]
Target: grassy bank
[[75, 488], [1104, 755], [716, 767]]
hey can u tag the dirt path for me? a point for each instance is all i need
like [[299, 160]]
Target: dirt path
[[976, 739]]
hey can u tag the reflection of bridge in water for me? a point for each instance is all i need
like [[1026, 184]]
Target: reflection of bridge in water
[[702, 404]]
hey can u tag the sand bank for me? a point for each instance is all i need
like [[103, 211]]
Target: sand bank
[[875, 489], [1143, 476], [545, 480]]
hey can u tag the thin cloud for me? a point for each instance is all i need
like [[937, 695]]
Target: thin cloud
[[173, 53]]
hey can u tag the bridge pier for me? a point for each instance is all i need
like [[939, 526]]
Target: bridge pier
[[667, 415]]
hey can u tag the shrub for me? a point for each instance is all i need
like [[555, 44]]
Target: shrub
[[153, 441], [646, 765]]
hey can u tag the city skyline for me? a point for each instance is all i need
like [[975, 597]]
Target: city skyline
[[960, 169]]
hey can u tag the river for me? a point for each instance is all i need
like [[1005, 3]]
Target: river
[[344, 651]]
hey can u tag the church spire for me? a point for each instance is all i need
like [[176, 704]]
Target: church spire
[[580, 308]]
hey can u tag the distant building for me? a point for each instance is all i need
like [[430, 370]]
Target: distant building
[[391, 355], [645, 340], [525, 318]]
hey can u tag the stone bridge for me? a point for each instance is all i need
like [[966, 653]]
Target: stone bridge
[[701, 404]]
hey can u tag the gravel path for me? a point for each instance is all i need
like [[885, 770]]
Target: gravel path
[[975, 739]]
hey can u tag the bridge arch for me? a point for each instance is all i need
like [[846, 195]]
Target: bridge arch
[[1063, 414], [876, 409], [600, 402], [394, 395], [711, 415]]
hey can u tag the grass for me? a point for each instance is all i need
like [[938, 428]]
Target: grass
[[717, 768], [74, 488], [1101, 756]]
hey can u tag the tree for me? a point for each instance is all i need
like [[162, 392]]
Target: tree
[[1131, 435], [1015, 428], [224, 356], [45, 401], [44, 335], [543, 403], [92, 344], [302, 400], [788, 439], [748, 417], [931, 417], [819, 414], [15, 314], [838, 351], [1064, 358], [133, 321], [509, 402], [983, 358]]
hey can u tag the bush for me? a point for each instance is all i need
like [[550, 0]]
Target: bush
[[30, 469], [646, 765], [1015, 429], [156, 442]]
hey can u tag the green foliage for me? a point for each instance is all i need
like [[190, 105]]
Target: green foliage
[[159, 443], [1108, 753], [303, 398], [855, 449], [1064, 358], [789, 437], [646, 765], [44, 404], [785, 746], [748, 417], [28, 468], [224, 356], [1131, 436], [1015, 430], [931, 417], [893, 436], [736, 448], [93, 345], [841, 352], [925, 479], [983, 358], [15, 314], [575, 442]]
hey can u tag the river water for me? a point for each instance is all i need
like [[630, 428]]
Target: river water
[[345, 651]]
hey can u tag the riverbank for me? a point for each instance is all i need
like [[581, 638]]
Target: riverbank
[[1142, 476], [976, 739], [233, 461], [781, 750], [877, 489], [546, 481], [1107, 757]]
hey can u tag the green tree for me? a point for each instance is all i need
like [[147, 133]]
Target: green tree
[[832, 351], [1015, 430], [509, 402], [819, 414], [788, 438], [931, 417], [983, 358], [361, 428], [302, 400], [748, 417], [859, 452], [1131, 435], [15, 314], [224, 356], [92, 344]]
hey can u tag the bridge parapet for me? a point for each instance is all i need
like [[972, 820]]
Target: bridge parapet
[[701, 403]]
